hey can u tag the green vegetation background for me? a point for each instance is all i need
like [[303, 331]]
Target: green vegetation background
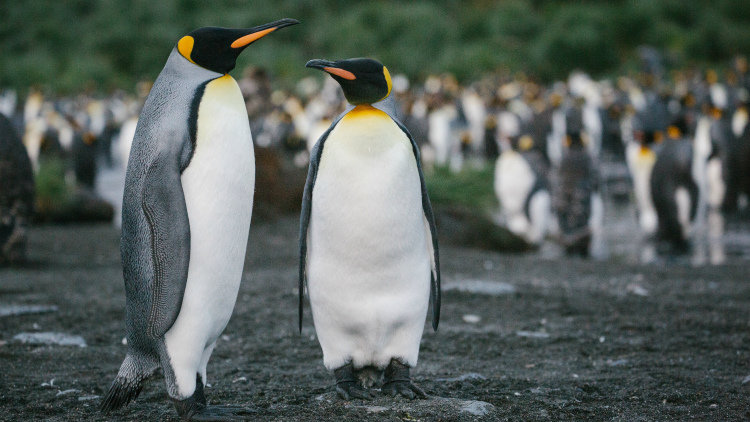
[[71, 45]]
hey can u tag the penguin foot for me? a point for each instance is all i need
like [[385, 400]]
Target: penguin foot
[[347, 384], [191, 410], [195, 408], [398, 382]]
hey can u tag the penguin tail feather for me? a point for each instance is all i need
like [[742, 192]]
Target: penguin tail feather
[[127, 385]]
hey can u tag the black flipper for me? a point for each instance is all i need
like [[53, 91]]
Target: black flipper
[[304, 219], [435, 290], [164, 205]]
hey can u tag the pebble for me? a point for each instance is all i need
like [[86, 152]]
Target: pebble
[[465, 377], [15, 310], [66, 392], [471, 318], [637, 290], [482, 287], [532, 334], [477, 408], [51, 338]]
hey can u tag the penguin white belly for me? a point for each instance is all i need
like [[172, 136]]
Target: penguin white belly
[[640, 162], [514, 180], [218, 187], [368, 259]]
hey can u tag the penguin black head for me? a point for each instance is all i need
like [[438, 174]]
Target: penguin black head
[[364, 81], [217, 49]]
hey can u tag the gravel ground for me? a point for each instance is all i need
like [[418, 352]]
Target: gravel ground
[[521, 338]]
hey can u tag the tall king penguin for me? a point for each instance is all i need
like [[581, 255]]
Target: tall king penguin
[[186, 218], [368, 247]]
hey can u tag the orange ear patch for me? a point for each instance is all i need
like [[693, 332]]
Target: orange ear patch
[[185, 47], [341, 73], [247, 39]]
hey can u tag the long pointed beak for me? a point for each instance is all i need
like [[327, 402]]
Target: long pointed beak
[[261, 31], [331, 68]]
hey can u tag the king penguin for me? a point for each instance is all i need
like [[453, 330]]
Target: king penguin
[[186, 219], [368, 245]]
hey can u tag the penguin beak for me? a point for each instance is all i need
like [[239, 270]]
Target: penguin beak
[[261, 31], [331, 68]]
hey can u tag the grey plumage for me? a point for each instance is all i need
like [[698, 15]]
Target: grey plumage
[[154, 216]]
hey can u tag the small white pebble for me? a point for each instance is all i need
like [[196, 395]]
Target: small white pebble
[[713, 406], [575, 375], [66, 392], [471, 318], [601, 339], [36, 326], [225, 337], [124, 341], [516, 394]]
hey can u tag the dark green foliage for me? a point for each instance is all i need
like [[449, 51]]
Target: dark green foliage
[[470, 187], [102, 44]]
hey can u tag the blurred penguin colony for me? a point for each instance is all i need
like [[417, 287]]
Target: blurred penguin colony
[[676, 144]]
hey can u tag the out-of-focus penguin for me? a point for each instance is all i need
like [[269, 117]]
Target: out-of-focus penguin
[[577, 201], [186, 218], [522, 189], [16, 194], [368, 246], [673, 189]]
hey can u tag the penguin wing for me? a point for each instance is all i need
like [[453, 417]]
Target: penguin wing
[[429, 219], [163, 204], [304, 220]]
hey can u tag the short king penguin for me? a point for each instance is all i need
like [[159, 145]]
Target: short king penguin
[[186, 218], [368, 247]]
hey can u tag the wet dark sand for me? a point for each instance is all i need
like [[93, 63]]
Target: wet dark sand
[[575, 340]]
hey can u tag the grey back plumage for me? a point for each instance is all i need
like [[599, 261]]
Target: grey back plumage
[[155, 244]]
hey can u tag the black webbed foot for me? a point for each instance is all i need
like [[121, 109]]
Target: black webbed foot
[[348, 386], [398, 382], [194, 408]]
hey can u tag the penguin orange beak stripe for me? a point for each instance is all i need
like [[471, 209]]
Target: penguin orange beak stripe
[[247, 39], [341, 73]]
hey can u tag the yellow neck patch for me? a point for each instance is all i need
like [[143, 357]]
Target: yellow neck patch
[[365, 110], [185, 47]]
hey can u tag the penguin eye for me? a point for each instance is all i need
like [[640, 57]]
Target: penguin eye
[[185, 47]]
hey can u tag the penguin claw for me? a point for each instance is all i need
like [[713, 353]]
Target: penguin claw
[[398, 382], [349, 391], [404, 388]]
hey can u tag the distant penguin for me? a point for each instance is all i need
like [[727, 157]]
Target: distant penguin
[[674, 191], [522, 189], [368, 246], [16, 194], [640, 156], [576, 197], [186, 217]]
